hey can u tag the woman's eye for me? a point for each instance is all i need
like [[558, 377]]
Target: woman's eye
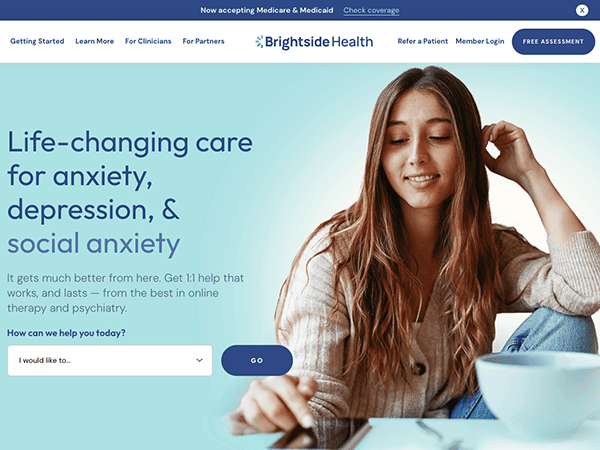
[[398, 141], [439, 138]]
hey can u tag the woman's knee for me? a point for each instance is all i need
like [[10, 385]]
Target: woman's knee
[[550, 330]]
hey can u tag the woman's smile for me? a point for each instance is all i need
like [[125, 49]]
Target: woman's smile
[[422, 180]]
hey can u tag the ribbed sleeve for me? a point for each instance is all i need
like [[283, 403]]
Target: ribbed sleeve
[[566, 280]]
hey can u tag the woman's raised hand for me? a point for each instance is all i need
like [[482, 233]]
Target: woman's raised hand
[[516, 160], [278, 403]]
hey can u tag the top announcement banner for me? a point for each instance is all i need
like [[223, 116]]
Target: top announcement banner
[[210, 10]]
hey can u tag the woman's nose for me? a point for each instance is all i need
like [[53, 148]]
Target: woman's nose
[[419, 153]]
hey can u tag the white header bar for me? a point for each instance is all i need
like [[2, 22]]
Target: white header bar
[[240, 42]]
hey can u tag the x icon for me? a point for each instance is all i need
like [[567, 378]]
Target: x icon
[[582, 10]]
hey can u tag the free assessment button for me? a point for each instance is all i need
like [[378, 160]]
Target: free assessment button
[[256, 360], [553, 41]]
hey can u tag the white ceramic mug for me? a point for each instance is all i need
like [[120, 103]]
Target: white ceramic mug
[[541, 394]]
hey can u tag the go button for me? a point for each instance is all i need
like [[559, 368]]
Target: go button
[[256, 360], [553, 41]]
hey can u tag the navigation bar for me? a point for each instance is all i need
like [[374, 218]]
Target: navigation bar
[[266, 42]]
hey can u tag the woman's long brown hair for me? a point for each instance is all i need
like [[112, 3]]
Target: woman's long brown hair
[[375, 256]]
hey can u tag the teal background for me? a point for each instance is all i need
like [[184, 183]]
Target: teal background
[[240, 213]]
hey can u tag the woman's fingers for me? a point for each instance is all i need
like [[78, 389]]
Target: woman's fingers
[[488, 159], [254, 416], [492, 132], [275, 408], [516, 158], [278, 403], [307, 386], [486, 131], [499, 129], [295, 392], [496, 130]]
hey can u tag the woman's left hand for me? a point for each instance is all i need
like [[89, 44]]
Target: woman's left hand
[[516, 160]]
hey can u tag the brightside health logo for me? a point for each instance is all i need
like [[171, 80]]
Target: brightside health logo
[[287, 43]]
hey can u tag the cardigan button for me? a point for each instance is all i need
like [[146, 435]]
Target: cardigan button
[[419, 369]]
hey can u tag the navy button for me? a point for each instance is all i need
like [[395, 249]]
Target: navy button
[[256, 360], [553, 41]]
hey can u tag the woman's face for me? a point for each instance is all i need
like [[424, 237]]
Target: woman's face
[[419, 157]]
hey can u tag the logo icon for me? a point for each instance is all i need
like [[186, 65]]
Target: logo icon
[[259, 42]]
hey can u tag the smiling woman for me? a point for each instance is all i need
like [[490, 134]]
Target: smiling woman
[[389, 303]]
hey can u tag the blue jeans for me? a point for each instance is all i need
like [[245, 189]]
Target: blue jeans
[[544, 330]]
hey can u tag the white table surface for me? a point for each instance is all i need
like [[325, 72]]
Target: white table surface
[[405, 434]]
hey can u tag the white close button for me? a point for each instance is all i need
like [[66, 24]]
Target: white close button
[[582, 10]]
